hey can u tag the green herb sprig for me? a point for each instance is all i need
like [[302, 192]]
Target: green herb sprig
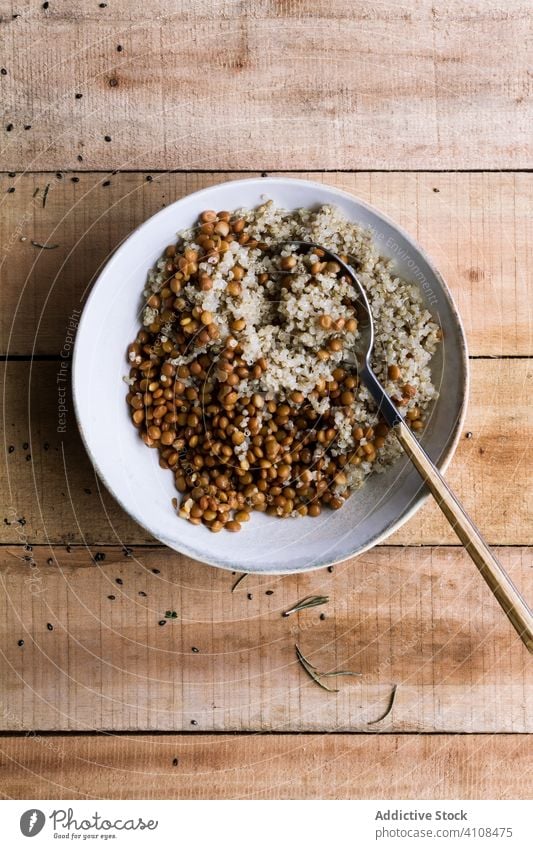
[[317, 676], [305, 603]]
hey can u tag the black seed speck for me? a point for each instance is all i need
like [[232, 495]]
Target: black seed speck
[[79, 157], [20, 643], [107, 138], [78, 95], [269, 592], [142, 593], [25, 445], [50, 561], [99, 556], [469, 434], [156, 571], [87, 491], [119, 581], [127, 552], [322, 616], [330, 569], [68, 549], [75, 179], [175, 762], [481, 450], [264, 174], [12, 174], [21, 521], [3, 71], [111, 597], [193, 722], [11, 190], [59, 175], [119, 48], [11, 449], [9, 128], [49, 626], [106, 183], [102, 5], [195, 650], [46, 4], [250, 596], [436, 190], [113, 82], [28, 456], [162, 622], [46, 446], [27, 126], [149, 178]]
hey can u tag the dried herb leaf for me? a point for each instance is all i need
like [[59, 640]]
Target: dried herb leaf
[[389, 706], [44, 247], [310, 601], [238, 581], [45, 194], [312, 671], [36, 192], [340, 672]]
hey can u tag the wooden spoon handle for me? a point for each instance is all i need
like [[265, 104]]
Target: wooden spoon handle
[[510, 600]]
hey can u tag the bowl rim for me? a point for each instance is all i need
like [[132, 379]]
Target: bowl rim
[[443, 461]]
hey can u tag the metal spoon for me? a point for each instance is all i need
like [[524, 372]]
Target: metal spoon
[[507, 595]]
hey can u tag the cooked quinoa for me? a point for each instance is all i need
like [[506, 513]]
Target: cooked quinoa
[[238, 377]]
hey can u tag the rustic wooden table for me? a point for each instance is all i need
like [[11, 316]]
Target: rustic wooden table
[[111, 111]]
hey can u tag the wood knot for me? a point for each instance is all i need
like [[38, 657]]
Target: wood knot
[[475, 275]]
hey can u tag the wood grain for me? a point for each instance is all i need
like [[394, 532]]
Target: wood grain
[[339, 766], [475, 226], [420, 618], [48, 482], [267, 85]]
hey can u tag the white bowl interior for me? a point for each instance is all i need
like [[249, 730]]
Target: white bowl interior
[[110, 322]]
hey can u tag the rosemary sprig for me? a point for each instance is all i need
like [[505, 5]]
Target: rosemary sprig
[[341, 672], [45, 194], [317, 676], [389, 707], [44, 247], [238, 581], [312, 671], [309, 601]]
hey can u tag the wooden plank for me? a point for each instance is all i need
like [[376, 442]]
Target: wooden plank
[[419, 618], [339, 766], [52, 487], [267, 85], [476, 227]]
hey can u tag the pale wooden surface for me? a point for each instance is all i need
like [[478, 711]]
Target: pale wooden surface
[[325, 766], [476, 227], [260, 85], [416, 617], [60, 499], [315, 85]]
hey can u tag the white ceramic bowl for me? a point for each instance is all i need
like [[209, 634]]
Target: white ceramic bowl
[[131, 472]]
